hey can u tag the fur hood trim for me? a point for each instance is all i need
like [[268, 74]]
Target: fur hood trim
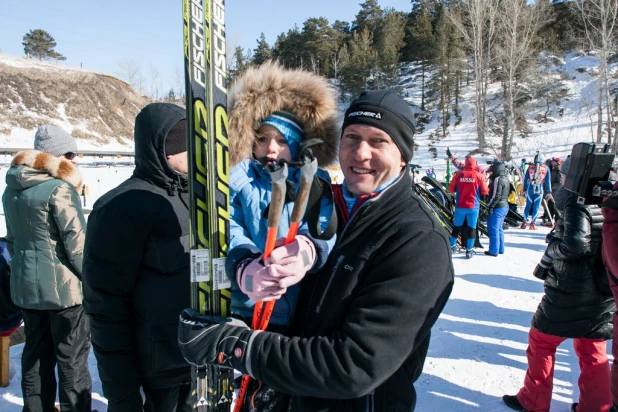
[[54, 166], [270, 87]]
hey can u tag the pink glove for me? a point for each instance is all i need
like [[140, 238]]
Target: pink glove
[[256, 282], [289, 263]]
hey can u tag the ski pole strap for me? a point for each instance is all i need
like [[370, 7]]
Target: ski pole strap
[[321, 188]]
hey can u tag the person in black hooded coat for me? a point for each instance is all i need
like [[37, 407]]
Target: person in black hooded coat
[[498, 206], [577, 304], [136, 271]]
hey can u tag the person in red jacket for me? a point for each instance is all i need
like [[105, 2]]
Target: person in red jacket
[[469, 185], [610, 257]]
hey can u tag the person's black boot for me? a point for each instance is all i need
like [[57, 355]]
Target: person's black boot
[[512, 402], [574, 407], [490, 254]]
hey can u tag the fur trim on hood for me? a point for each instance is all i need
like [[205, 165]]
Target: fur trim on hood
[[54, 166], [270, 87]]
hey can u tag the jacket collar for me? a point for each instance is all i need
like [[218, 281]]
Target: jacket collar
[[39, 165]]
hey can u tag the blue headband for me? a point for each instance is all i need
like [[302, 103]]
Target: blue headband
[[288, 126]]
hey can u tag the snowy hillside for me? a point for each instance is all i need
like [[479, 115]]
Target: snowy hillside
[[99, 110], [571, 120]]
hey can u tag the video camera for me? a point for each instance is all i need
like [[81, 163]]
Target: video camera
[[589, 172]]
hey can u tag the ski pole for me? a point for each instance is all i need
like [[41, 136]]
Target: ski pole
[[551, 219], [278, 176], [307, 172]]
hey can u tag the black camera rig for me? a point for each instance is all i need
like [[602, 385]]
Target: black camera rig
[[589, 172]]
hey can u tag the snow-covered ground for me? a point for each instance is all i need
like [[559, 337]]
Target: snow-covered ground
[[477, 352]]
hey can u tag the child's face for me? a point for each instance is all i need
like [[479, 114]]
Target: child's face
[[271, 144]]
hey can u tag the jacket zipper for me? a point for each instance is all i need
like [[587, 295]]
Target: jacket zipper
[[330, 280], [370, 405]]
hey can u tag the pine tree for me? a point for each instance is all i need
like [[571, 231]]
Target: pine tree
[[367, 17], [422, 45], [41, 44], [362, 57], [262, 52], [390, 32]]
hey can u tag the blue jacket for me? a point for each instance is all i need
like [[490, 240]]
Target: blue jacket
[[250, 192]]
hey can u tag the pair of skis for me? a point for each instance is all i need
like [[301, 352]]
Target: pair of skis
[[207, 144]]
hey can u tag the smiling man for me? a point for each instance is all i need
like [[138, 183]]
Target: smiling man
[[363, 323]]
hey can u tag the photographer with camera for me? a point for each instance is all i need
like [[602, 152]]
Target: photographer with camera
[[577, 304], [610, 257]]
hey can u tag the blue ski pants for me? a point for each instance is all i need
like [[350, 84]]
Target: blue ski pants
[[496, 231], [470, 216], [533, 204]]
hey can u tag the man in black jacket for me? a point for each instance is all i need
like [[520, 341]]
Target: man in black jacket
[[363, 323], [498, 206], [136, 271]]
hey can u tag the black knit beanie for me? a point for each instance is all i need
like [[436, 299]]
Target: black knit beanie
[[387, 111], [176, 139]]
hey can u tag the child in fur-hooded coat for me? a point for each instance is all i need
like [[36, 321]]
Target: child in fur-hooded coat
[[272, 111]]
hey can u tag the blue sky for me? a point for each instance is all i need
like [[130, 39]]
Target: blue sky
[[100, 34]]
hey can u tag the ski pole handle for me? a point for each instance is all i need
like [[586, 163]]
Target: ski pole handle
[[307, 172], [277, 200]]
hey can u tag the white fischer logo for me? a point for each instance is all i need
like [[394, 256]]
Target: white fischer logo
[[218, 15], [197, 35], [373, 115], [467, 180]]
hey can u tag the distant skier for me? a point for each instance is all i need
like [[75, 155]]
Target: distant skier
[[431, 172], [497, 203], [536, 180], [469, 185]]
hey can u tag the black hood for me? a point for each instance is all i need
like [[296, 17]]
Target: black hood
[[152, 125]]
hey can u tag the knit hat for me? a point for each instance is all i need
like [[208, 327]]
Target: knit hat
[[564, 167], [289, 127], [176, 139], [54, 140], [387, 111]]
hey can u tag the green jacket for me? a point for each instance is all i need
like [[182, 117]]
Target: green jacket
[[45, 231]]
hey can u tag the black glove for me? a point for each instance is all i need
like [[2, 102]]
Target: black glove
[[448, 152], [214, 340]]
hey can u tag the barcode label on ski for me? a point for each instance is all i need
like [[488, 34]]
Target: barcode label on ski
[[221, 279], [200, 260]]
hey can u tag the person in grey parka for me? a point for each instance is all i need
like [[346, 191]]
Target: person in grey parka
[[45, 235]]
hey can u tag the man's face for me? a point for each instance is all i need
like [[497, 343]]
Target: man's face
[[179, 162], [368, 157]]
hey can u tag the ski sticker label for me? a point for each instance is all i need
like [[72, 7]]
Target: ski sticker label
[[221, 281], [200, 259]]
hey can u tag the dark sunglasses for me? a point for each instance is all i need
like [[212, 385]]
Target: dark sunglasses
[[70, 155]]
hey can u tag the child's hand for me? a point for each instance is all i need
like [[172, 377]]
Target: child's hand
[[256, 282], [289, 263]]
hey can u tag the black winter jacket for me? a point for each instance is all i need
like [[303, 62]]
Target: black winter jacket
[[365, 318], [577, 301], [136, 269], [499, 187]]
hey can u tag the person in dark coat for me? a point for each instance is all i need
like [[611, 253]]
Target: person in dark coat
[[499, 189], [363, 324], [610, 257], [577, 304], [136, 271]]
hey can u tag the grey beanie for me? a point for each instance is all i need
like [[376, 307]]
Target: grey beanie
[[564, 167], [54, 140]]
